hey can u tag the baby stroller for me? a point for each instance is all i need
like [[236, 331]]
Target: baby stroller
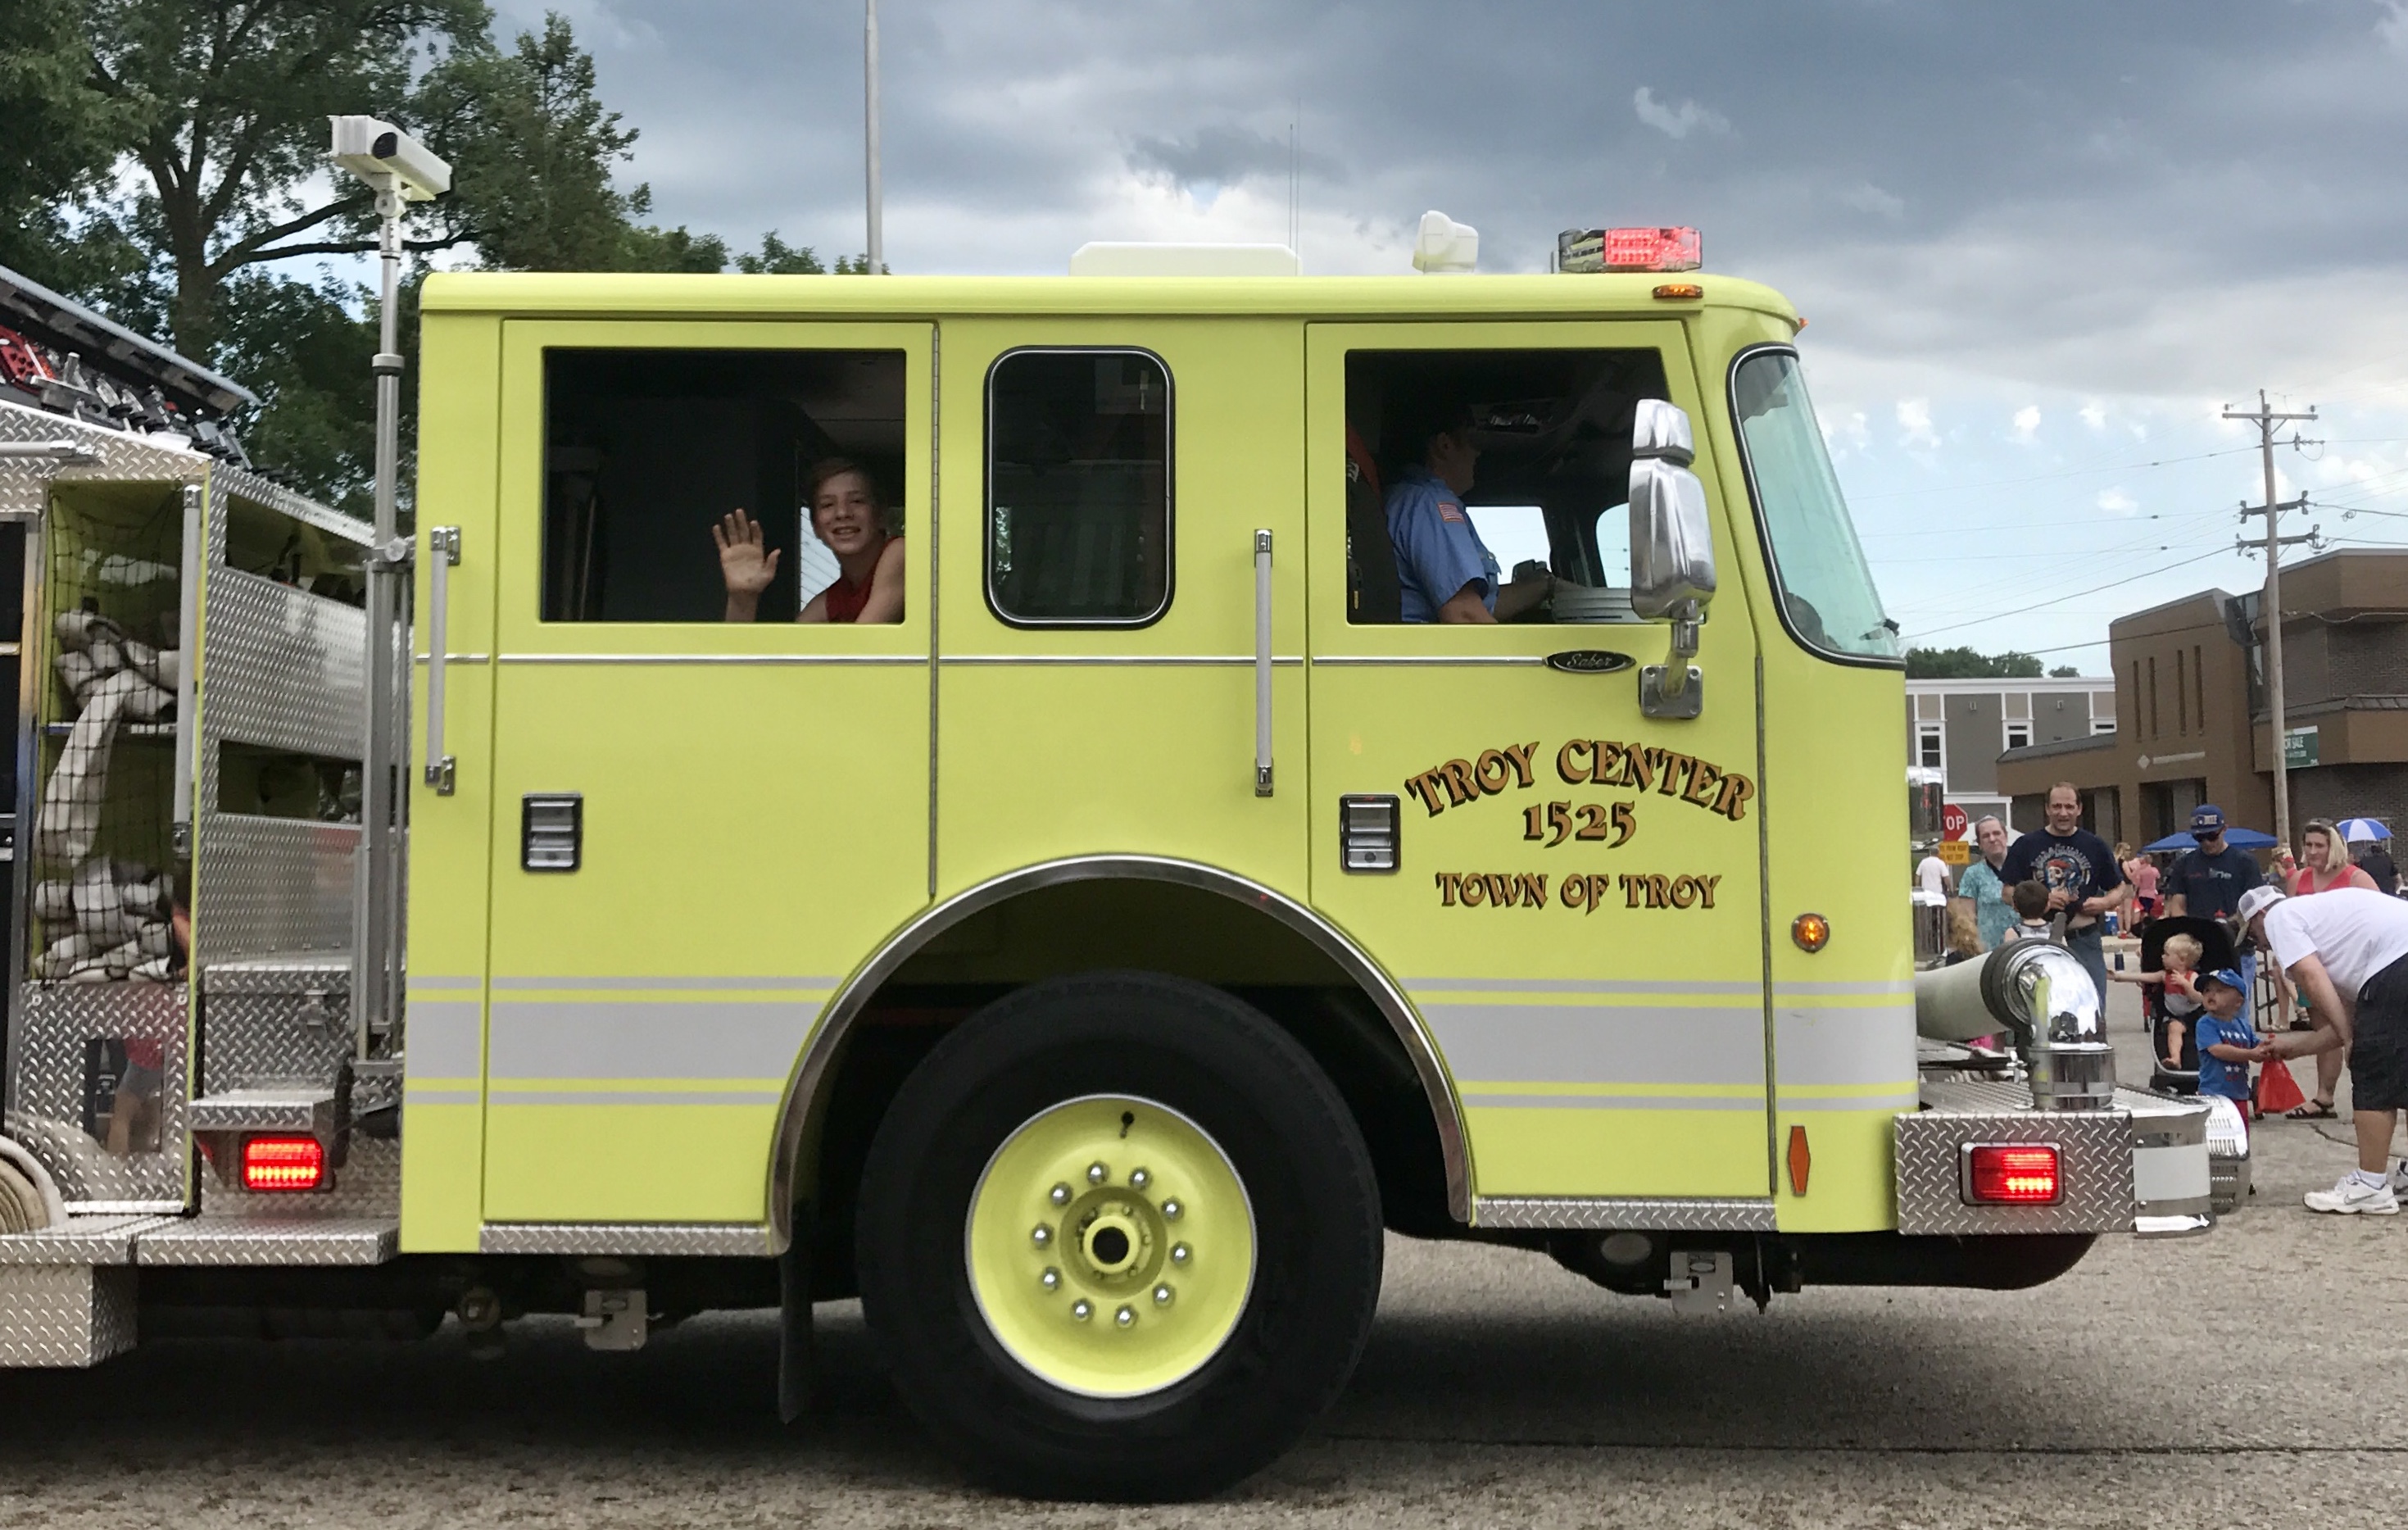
[[2215, 950]]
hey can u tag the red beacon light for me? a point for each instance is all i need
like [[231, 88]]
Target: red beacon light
[[1627, 250], [283, 1163], [2012, 1174]]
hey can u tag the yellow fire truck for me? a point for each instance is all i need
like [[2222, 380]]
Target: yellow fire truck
[[1085, 967]]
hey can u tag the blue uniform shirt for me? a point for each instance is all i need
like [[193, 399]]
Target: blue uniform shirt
[[2216, 1075], [1438, 549]]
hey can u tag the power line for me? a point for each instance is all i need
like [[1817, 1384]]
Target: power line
[[2044, 478], [2076, 594]]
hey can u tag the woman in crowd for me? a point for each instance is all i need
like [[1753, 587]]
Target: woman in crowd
[[2143, 874], [2323, 865], [847, 516]]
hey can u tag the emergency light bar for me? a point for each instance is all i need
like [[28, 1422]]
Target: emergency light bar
[[1626, 249]]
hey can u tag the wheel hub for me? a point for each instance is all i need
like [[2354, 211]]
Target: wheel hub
[[1110, 1246]]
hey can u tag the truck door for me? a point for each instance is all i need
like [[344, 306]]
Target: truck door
[[1106, 479], [700, 822], [1575, 899]]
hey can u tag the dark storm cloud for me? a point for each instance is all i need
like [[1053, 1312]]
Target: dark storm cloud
[[2108, 195]]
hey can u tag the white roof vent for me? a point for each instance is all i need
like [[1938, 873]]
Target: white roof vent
[[1445, 245], [1119, 257]]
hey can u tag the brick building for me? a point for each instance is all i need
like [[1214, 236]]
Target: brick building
[[2191, 714]]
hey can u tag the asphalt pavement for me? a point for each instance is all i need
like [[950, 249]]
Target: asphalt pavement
[[2259, 1375]]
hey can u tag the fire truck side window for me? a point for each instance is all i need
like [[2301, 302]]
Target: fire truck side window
[[1550, 483], [1078, 488], [646, 450]]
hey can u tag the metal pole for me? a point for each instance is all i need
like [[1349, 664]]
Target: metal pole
[[373, 885], [876, 251]]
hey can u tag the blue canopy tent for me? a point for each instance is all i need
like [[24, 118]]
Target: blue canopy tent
[[2240, 839]]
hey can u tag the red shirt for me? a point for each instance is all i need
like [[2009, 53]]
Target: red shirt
[[845, 598]]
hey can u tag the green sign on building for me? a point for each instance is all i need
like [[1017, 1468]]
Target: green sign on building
[[2300, 748]]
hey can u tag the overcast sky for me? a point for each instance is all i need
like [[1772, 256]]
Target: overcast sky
[[2039, 245]]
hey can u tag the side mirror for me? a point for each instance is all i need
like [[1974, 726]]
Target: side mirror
[[1672, 541]]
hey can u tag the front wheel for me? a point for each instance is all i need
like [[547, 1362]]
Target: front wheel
[[1121, 1239]]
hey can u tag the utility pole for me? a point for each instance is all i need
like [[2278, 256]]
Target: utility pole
[[876, 251], [2266, 419]]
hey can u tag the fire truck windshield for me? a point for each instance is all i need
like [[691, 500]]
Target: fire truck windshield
[[1828, 594]]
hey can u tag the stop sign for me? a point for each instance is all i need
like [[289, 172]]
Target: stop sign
[[1952, 822]]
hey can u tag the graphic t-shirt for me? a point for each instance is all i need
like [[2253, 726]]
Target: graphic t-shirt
[[2216, 1075], [2081, 863], [2210, 885]]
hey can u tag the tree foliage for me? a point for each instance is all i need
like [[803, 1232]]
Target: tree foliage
[[164, 161], [1968, 664]]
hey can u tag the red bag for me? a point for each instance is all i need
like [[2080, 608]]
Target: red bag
[[2277, 1090]]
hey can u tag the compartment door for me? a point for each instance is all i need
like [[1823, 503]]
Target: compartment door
[[1577, 909], [699, 825]]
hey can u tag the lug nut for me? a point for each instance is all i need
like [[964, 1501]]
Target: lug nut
[[1082, 1310], [1172, 1209], [1059, 1196], [1043, 1235], [1139, 1179], [1179, 1253], [1098, 1174], [1162, 1295], [1051, 1279], [1125, 1317]]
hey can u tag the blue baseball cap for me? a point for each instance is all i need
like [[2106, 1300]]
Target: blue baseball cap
[[2206, 818], [2226, 977]]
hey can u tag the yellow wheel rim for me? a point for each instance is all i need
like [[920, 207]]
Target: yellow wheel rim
[[1110, 1246]]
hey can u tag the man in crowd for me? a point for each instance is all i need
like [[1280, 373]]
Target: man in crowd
[[2207, 883], [2080, 871], [2348, 952], [1980, 891], [1931, 876], [2374, 860]]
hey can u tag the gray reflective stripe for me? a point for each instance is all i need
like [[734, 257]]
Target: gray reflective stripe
[[1601, 1044], [1477, 1100], [444, 1040], [1568, 985], [1892, 1099], [418, 983], [1783, 991], [414, 1095], [748, 1098], [603, 985], [672, 1039], [714, 659], [1853, 1044]]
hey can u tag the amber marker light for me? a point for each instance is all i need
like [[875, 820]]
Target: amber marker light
[[1812, 932], [2011, 1173], [1801, 1161], [1675, 291], [282, 1163]]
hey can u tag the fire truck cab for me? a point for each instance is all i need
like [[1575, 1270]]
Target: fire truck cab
[[1086, 966]]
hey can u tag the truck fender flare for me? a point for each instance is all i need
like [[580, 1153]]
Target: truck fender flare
[[809, 1079]]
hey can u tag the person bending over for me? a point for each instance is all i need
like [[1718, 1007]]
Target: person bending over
[[847, 516]]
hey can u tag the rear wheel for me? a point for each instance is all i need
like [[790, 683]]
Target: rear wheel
[[1121, 1239]]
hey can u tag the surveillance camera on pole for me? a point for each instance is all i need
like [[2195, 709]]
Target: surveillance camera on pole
[[400, 170]]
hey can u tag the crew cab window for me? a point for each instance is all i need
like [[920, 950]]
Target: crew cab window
[[1078, 483], [648, 453], [1544, 491], [1829, 601]]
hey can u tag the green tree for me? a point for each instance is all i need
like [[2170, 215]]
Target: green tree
[[1968, 664], [58, 139], [2063, 672]]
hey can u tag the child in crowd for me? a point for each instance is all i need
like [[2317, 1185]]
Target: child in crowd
[[2181, 958], [2031, 898], [2227, 1044]]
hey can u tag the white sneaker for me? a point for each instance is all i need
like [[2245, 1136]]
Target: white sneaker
[[2352, 1197], [2399, 1177]]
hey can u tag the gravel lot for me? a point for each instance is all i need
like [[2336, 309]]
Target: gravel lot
[[2251, 1376]]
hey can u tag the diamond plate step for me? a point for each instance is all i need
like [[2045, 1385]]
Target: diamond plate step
[[296, 1107], [262, 1239]]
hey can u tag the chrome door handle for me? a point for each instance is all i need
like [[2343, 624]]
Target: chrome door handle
[[188, 626], [1262, 663], [443, 551]]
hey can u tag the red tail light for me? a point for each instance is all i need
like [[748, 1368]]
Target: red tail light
[[2012, 1174], [282, 1163]]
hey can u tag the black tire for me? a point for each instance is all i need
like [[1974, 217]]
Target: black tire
[[1284, 1128]]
